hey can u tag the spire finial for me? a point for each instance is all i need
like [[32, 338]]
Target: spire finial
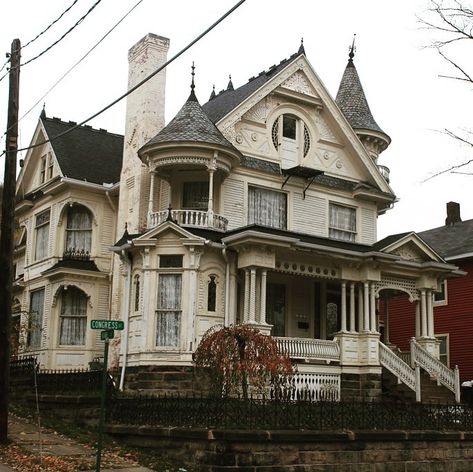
[[193, 74], [230, 83], [212, 95], [352, 50], [301, 47], [43, 111]]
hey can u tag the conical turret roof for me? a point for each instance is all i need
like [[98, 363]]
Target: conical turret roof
[[352, 101]]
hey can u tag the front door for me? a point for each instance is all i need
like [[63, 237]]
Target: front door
[[276, 308]]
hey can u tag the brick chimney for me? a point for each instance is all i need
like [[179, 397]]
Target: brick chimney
[[453, 214]]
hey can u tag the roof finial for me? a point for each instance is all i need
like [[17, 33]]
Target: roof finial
[[352, 50], [230, 83], [43, 111], [301, 47], [192, 96], [212, 95]]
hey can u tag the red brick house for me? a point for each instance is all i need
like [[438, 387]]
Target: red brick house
[[452, 305]]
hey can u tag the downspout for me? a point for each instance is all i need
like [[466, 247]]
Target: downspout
[[227, 286], [126, 316], [112, 262]]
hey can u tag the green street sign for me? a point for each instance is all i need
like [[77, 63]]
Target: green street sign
[[107, 324], [107, 334]]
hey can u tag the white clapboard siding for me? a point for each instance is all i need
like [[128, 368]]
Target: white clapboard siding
[[309, 215], [368, 226], [100, 312], [53, 230], [233, 206], [106, 232]]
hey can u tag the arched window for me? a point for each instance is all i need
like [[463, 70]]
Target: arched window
[[78, 230], [73, 317], [136, 283], [212, 293]]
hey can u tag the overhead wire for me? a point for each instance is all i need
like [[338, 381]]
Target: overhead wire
[[74, 65], [139, 84], [58, 40]]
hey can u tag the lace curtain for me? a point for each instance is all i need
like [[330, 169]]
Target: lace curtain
[[35, 322], [267, 207], [79, 229], [42, 235], [73, 317], [342, 224], [168, 310]]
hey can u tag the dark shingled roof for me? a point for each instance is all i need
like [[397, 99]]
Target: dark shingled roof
[[451, 241], [85, 153], [227, 100], [75, 264], [191, 124], [388, 240], [352, 101]]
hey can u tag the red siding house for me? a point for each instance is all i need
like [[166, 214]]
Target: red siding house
[[452, 304]]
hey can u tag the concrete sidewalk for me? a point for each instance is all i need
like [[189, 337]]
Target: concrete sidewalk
[[25, 434]]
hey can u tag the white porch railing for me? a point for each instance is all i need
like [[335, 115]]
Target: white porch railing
[[313, 349], [403, 371], [450, 378], [199, 218], [316, 387]]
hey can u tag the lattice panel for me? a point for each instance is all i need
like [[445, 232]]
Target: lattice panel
[[404, 285]]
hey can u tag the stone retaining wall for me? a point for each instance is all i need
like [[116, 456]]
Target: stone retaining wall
[[306, 451]]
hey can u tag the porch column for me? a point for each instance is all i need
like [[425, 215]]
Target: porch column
[[386, 320], [151, 196], [360, 308], [423, 311], [366, 326], [417, 319], [246, 306], [373, 327], [344, 307], [352, 308], [210, 205], [262, 315], [252, 307], [430, 315]]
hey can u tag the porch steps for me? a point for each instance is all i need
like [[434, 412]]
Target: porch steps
[[430, 391]]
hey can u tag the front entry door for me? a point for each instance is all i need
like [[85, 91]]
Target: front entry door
[[276, 308]]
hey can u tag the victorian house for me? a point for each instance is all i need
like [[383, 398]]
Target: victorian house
[[261, 207], [66, 208]]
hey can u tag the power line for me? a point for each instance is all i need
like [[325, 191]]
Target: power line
[[139, 84], [76, 63], [50, 25], [58, 40]]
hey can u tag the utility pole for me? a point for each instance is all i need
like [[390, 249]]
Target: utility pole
[[6, 235]]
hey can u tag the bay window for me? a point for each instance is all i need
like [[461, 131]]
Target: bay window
[[267, 207], [342, 222]]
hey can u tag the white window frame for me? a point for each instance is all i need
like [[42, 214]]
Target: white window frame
[[42, 169], [447, 345], [50, 167], [442, 301], [176, 311], [63, 317], [269, 190], [332, 229], [70, 231], [37, 330], [38, 226]]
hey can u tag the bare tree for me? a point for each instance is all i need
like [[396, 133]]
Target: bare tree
[[452, 22]]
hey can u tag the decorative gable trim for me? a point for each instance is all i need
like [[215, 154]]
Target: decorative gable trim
[[412, 248]]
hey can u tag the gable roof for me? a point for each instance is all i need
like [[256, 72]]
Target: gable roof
[[453, 241], [223, 103], [85, 153]]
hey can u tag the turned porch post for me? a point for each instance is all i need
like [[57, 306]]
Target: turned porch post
[[360, 308], [252, 308], [366, 304], [373, 327], [344, 307], [352, 308], [151, 196], [423, 311], [417, 319], [246, 307], [430, 315], [262, 314]]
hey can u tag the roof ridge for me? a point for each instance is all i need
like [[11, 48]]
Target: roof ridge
[[71, 123]]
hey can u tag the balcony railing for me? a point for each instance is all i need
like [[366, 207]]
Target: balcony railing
[[73, 254], [199, 218], [310, 349]]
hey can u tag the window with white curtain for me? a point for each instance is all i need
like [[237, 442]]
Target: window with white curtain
[[195, 195], [342, 223], [168, 310], [35, 318], [267, 207], [73, 317], [78, 229], [42, 234]]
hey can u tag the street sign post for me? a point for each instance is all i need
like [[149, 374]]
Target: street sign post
[[107, 327]]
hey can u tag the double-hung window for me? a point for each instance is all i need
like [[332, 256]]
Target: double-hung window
[[42, 234], [35, 318], [168, 309], [73, 317], [78, 230], [267, 207], [342, 222]]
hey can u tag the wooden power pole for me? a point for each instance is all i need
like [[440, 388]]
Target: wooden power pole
[[6, 235]]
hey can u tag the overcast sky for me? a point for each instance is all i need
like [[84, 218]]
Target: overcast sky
[[401, 78]]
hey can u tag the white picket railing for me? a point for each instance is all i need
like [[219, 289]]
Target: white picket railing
[[403, 371], [316, 387], [306, 348], [450, 378], [199, 218]]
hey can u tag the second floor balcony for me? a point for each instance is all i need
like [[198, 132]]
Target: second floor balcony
[[194, 218]]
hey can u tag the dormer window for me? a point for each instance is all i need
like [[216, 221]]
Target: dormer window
[[291, 138]]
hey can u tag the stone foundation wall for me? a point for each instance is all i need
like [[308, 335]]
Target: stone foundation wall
[[361, 387], [306, 451]]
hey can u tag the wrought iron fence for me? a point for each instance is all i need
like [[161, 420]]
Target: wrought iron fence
[[234, 413]]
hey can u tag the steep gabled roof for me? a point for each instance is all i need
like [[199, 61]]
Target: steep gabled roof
[[85, 153], [227, 100], [451, 241]]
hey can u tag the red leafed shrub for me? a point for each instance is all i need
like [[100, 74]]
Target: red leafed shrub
[[240, 356]]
